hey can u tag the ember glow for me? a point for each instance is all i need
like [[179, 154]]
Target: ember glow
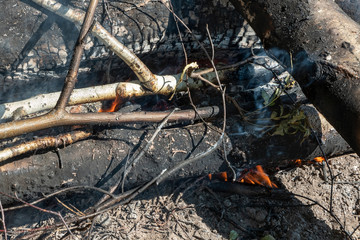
[[222, 176], [251, 176], [115, 105], [299, 162], [319, 159]]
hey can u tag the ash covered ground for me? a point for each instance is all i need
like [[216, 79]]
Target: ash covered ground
[[191, 210]]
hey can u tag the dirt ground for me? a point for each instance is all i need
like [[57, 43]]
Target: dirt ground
[[197, 208], [192, 210]]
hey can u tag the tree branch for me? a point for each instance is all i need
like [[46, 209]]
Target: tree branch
[[146, 77], [51, 119], [71, 77]]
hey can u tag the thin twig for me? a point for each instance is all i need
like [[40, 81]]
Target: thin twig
[[123, 178], [71, 77], [326, 210], [74, 15], [228, 162], [148, 144], [102, 202], [76, 212], [48, 211], [215, 146], [3, 220], [114, 187], [196, 110], [180, 35], [57, 193], [190, 160], [117, 201], [355, 229]]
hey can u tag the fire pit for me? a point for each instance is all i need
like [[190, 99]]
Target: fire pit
[[269, 122]]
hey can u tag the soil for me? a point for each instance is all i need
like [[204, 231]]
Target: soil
[[190, 209]]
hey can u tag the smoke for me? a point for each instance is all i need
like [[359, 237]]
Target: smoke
[[299, 65], [258, 85]]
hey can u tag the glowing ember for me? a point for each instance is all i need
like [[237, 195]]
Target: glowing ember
[[299, 162], [257, 176], [115, 105], [319, 159], [222, 176]]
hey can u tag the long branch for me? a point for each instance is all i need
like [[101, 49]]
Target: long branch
[[71, 77], [146, 77], [105, 92], [43, 143], [48, 101], [16, 128]]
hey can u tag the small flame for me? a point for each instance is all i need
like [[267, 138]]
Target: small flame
[[257, 176], [222, 176], [252, 176], [319, 159], [299, 162], [115, 105]]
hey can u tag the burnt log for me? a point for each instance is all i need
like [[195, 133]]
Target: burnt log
[[101, 161], [325, 44], [36, 44]]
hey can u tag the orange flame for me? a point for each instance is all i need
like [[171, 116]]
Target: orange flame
[[222, 176], [257, 176], [299, 162], [252, 176], [115, 105], [319, 159]]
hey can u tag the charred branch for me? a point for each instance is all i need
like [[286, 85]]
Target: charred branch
[[43, 143], [325, 43], [124, 90], [140, 69]]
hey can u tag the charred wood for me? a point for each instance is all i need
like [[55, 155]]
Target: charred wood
[[325, 43], [100, 161]]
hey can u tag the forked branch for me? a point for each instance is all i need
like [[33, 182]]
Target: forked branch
[[58, 117]]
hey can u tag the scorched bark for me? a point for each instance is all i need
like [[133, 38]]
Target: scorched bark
[[325, 46]]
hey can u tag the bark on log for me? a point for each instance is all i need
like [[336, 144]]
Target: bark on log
[[100, 161], [326, 45]]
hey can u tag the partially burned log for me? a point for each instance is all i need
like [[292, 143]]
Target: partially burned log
[[101, 161], [325, 44]]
